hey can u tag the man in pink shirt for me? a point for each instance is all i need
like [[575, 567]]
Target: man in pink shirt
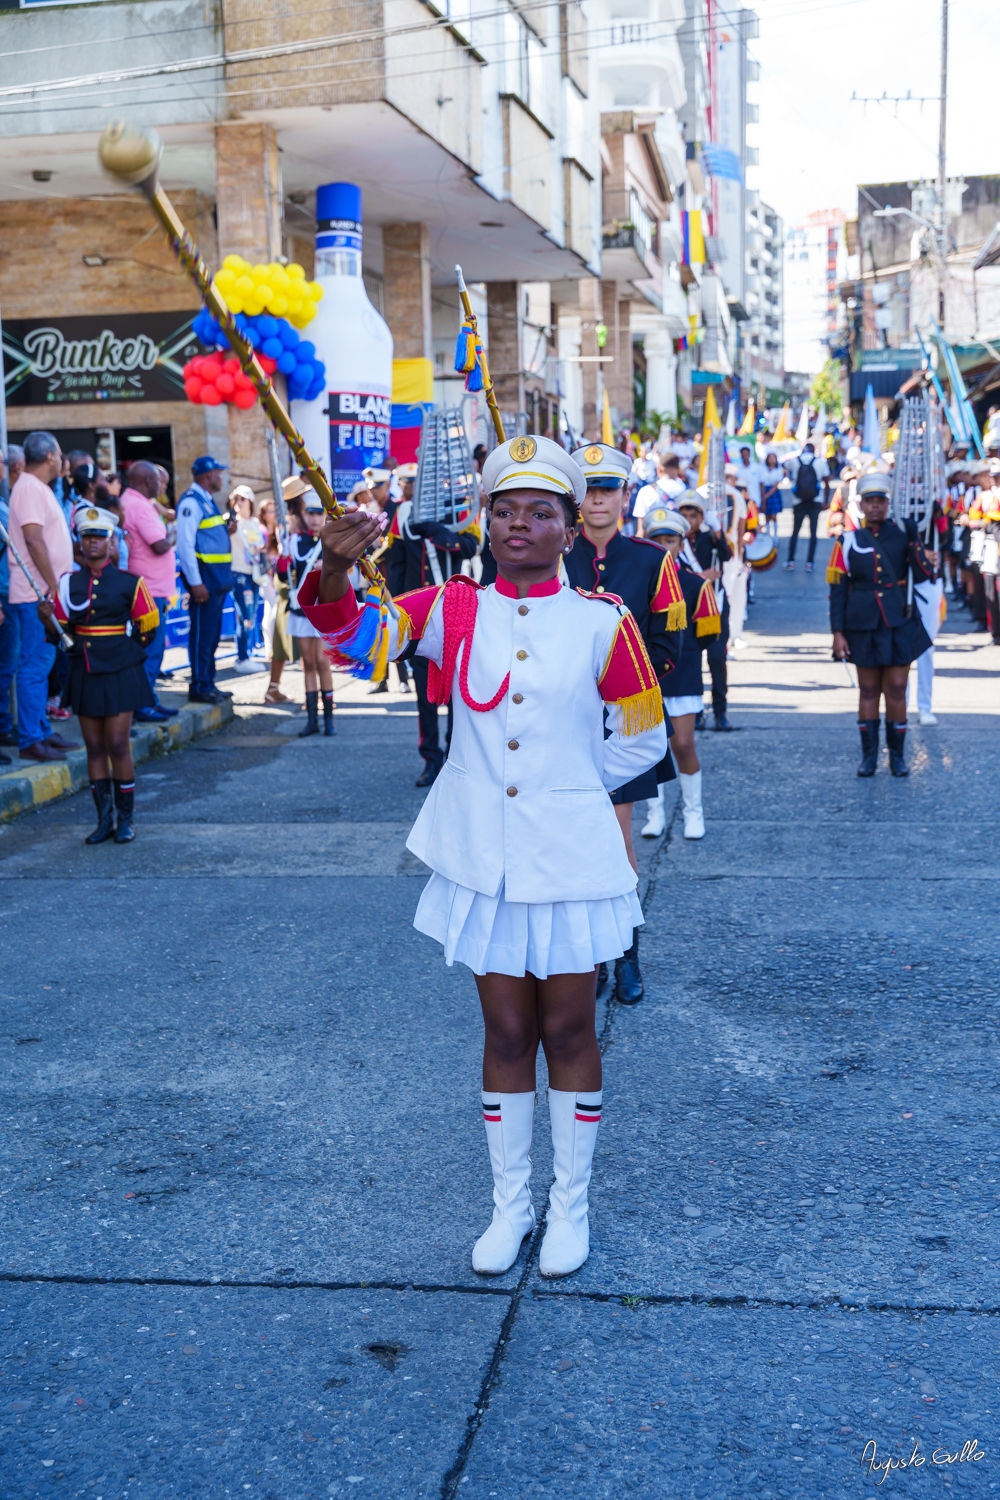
[[150, 556], [39, 533]]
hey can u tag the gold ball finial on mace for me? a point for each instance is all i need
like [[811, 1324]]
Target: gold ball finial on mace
[[131, 154]]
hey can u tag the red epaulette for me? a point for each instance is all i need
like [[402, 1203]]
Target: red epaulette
[[607, 598]]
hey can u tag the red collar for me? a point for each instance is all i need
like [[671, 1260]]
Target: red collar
[[536, 591]]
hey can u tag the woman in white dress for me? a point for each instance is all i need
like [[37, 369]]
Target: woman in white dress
[[531, 886]]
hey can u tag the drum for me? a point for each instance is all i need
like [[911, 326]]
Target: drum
[[761, 553], [977, 546], [991, 556]]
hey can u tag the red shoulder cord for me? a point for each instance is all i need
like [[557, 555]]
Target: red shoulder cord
[[459, 607]]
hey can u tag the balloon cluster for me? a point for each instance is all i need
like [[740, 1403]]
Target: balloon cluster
[[212, 379], [282, 291], [279, 346]]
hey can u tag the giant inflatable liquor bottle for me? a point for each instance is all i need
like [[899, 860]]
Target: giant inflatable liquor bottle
[[348, 427]]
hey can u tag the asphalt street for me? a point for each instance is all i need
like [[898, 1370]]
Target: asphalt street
[[243, 1163]]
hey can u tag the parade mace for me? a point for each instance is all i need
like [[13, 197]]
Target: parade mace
[[470, 358], [133, 156], [65, 641]]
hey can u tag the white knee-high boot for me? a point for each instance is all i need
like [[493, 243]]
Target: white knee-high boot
[[575, 1118], [508, 1119], [694, 818], [656, 822]]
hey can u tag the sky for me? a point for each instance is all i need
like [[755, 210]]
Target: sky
[[816, 145]]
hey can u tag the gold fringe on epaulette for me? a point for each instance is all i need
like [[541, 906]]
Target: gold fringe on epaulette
[[404, 628], [834, 575], [677, 616], [145, 623], [640, 712], [708, 625]]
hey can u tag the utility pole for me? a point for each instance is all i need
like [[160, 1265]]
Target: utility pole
[[942, 161]]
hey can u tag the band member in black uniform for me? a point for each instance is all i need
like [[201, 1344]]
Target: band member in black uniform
[[873, 623], [111, 615], [709, 550], [682, 695], [304, 550], [415, 555], [641, 574]]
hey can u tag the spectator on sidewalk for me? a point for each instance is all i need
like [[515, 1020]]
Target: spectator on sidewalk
[[39, 533], [10, 632], [204, 553], [249, 541], [806, 472], [150, 556]]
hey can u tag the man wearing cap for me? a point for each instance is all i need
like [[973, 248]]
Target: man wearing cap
[[531, 884], [204, 556], [642, 575]]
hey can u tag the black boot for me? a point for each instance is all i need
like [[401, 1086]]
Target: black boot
[[125, 803], [895, 738], [628, 979], [101, 793], [602, 976], [312, 709], [429, 774], [328, 725], [869, 746]]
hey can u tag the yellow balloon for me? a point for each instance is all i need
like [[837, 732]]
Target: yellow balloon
[[244, 285], [234, 263], [279, 305], [315, 291], [225, 278], [307, 314], [235, 304], [295, 271], [254, 307], [280, 279]]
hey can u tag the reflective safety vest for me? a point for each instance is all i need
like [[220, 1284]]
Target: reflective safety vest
[[213, 548]]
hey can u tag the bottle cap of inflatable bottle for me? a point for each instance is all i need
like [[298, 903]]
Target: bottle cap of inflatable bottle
[[338, 216]]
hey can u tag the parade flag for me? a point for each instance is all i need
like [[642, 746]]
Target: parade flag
[[749, 422], [719, 161], [607, 431], [781, 432], [693, 238], [710, 425], [802, 431], [731, 419], [870, 439], [819, 431]]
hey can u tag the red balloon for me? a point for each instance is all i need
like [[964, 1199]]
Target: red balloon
[[224, 384], [243, 382], [231, 365], [193, 387], [210, 396], [244, 399], [267, 365]]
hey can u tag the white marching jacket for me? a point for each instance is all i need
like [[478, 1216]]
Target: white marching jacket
[[522, 801]]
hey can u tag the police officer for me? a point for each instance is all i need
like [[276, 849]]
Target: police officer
[[603, 560], [204, 556]]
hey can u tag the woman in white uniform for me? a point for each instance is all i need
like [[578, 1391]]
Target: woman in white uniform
[[531, 886], [305, 550]]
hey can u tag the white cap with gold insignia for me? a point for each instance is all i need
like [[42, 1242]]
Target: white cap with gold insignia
[[533, 463], [92, 520], [604, 467]]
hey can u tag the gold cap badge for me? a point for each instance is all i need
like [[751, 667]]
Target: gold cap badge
[[593, 455], [523, 448], [92, 515]]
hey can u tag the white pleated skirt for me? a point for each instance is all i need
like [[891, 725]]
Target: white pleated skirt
[[299, 627], [495, 936], [677, 707]]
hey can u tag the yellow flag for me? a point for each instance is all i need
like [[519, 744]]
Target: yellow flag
[[607, 435], [781, 431], [711, 424], [748, 422]]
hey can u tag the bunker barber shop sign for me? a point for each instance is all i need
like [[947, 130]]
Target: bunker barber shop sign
[[118, 357]]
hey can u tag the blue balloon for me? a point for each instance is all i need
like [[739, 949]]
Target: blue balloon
[[286, 362], [273, 348], [267, 326], [289, 335], [253, 338], [305, 351]]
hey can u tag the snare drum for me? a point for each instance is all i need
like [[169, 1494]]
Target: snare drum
[[761, 553]]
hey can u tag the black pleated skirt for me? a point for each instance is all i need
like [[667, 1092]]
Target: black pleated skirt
[[101, 695], [889, 646]]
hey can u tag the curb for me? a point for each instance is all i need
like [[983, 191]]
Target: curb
[[33, 786]]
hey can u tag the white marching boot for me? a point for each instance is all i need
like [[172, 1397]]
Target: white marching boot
[[574, 1134], [694, 818], [657, 819], [508, 1120]]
